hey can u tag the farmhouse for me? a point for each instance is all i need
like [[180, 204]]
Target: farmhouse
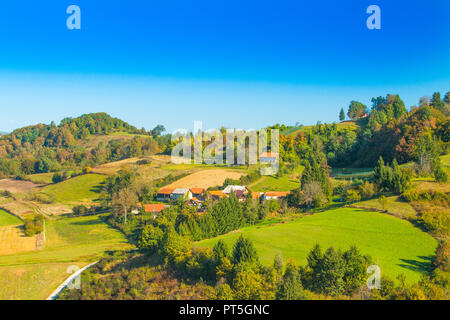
[[240, 192], [151, 208], [274, 195], [269, 157], [181, 193], [230, 189], [198, 193], [164, 194], [217, 194]]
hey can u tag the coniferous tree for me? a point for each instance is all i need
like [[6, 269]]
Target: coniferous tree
[[244, 251], [342, 115], [291, 287], [436, 102], [220, 251]]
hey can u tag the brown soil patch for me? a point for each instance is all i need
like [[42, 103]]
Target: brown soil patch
[[17, 186]]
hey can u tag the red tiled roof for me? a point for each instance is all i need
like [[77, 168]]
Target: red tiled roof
[[154, 208], [197, 190], [269, 155], [276, 194], [218, 193], [165, 190]]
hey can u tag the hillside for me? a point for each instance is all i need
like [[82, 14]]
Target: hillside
[[70, 242], [353, 125], [75, 143], [394, 244]]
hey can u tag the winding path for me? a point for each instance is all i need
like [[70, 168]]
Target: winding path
[[64, 285]]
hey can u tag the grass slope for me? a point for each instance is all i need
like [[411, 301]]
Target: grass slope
[[70, 241], [270, 183], [341, 125], [83, 188], [7, 219], [394, 244], [41, 178]]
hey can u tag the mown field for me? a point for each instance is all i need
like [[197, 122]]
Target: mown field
[[394, 244], [205, 179], [85, 188], [7, 219], [270, 183], [41, 178], [70, 241], [394, 205]]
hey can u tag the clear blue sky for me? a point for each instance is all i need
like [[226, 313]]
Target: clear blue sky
[[244, 64]]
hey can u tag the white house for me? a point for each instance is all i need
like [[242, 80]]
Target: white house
[[230, 189], [181, 193]]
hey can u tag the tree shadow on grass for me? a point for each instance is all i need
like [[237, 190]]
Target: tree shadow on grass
[[424, 265], [88, 222], [98, 188]]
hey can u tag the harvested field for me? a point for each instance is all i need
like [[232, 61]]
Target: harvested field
[[206, 178], [13, 240], [17, 186], [112, 167], [426, 186], [19, 208]]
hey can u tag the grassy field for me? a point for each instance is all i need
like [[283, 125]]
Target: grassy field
[[70, 241], [41, 178], [394, 244], [446, 160], [81, 189], [394, 206], [7, 219], [270, 183], [342, 125]]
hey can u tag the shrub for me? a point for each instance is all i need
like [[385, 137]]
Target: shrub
[[33, 225], [87, 170], [80, 210], [383, 202], [367, 190], [352, 195], [59, 177], [440, 175]]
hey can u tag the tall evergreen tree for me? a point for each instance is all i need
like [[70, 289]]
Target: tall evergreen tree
[[290, 287], [342, 115], [220, 251], [436, 102], [244, 251]]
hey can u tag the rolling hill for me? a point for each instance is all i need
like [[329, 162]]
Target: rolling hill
[[394, 244]]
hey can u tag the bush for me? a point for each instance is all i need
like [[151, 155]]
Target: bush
[[87, 170], [367, 190], [80, 210], [33, 225], [352, 196], [59, 177], [440, 175]]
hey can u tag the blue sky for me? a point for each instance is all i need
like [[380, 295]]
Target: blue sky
[[244, 64]]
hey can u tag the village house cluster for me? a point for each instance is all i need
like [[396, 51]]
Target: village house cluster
[[197, 196]]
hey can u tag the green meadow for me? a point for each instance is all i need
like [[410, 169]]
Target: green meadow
[[69, 241], [394, 244], [7, 219], [270, 183], [84, 188]]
